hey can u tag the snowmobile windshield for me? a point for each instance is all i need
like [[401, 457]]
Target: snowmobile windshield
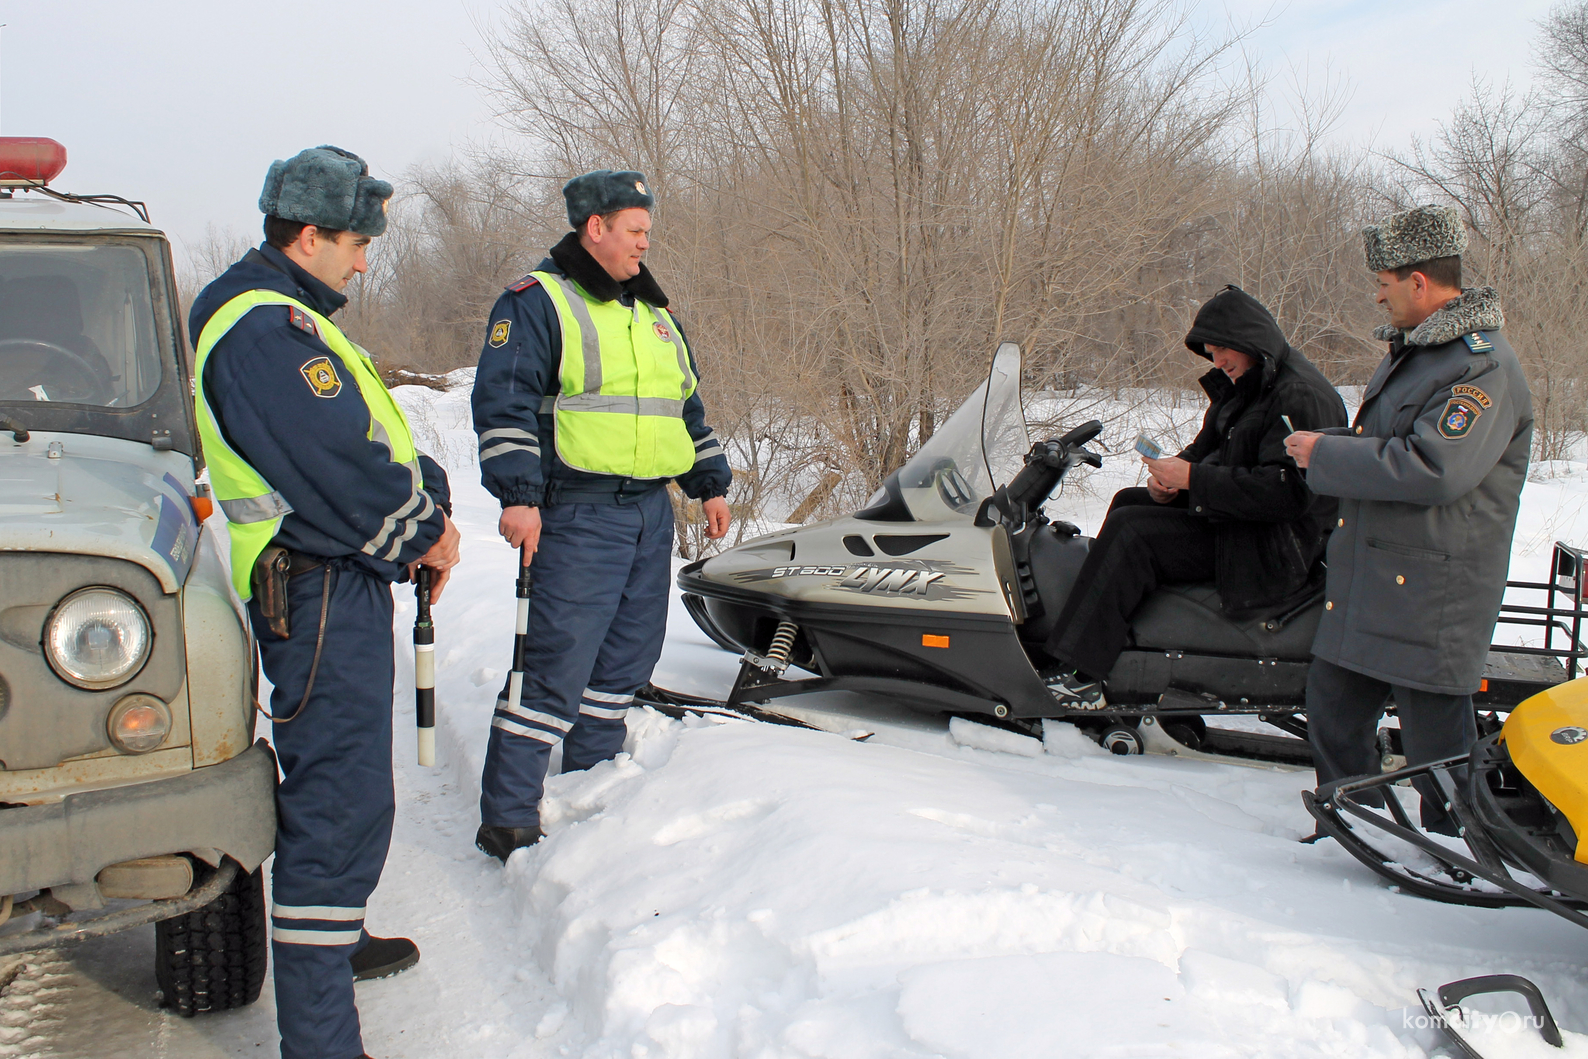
[[977, 449]]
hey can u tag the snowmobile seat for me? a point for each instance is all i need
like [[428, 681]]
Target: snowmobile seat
[[1190, 618]]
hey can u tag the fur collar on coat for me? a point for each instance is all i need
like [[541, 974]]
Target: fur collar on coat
[[1478, 309], [577, 264]]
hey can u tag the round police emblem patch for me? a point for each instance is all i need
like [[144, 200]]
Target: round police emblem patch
[[1569, 736], [322, 377], [662, 332]]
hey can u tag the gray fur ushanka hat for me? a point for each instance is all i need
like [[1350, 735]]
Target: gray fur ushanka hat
[[605, 191], [328, 188], [1414, 236]]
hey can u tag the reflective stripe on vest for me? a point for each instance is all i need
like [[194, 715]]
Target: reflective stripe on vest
[[624, 378], [253, 508]]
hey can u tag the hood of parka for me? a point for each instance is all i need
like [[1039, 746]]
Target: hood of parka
[[1236, 320]]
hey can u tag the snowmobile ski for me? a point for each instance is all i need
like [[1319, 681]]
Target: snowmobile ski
[[676, 704], [1444, 1008]]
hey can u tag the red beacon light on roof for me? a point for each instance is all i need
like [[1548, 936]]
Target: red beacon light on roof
[[30, 161]]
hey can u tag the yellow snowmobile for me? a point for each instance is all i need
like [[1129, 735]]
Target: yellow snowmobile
[[1520, 800]]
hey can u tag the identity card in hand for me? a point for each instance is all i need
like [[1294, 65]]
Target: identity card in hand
[[1148, 447]]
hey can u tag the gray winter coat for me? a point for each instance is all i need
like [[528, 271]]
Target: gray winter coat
[[1429, 480]]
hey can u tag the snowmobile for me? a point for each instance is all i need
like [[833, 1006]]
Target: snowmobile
[[940, 591]]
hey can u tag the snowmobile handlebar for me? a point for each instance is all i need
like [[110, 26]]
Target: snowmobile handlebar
[[1082, 434], [1020, 501]]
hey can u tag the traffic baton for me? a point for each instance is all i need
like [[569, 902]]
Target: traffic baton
[[515, 682], [425, 671]]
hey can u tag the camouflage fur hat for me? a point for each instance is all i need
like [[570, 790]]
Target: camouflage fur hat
[[1414, 236], [605, 191], [328, 188]]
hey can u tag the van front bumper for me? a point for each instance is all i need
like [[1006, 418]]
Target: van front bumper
[[226, 809]]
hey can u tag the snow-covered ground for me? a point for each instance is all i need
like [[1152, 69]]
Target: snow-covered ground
[[739, 890]]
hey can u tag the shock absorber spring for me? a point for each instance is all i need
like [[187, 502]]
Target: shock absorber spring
[[782, 644]]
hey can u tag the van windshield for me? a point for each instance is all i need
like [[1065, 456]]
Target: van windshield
[[77, 325]]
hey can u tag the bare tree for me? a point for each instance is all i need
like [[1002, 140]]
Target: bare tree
[[203, 261]]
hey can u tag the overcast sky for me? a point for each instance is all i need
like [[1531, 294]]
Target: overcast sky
[[184, 104]]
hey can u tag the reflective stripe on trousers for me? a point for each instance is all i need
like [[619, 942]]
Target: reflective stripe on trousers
[[597, 617], [334, 804]]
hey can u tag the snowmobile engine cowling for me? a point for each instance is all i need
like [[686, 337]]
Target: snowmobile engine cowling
[[1547, 737]]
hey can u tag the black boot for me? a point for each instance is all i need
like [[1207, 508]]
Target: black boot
[[1076, 690], [383, 957], [499, 842]]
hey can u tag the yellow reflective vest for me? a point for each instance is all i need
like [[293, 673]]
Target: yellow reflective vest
[[624, 378], [253, 508]]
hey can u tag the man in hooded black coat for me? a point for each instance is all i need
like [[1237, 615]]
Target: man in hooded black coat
[[1231, 508]]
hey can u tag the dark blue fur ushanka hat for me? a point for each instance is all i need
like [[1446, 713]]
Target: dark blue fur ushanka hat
[[328, 188], [605, 191]]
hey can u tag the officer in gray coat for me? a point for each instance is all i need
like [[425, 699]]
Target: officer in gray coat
[[1429, 478]]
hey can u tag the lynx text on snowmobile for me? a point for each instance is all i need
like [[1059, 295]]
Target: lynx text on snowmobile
[[941, 590]]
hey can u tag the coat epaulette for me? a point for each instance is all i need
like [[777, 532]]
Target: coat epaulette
[[1477, 343], [302, 320], [523, 284]]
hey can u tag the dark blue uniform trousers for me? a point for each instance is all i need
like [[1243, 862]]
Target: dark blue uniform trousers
[[597, 618], [334, 804], [1343, 709]]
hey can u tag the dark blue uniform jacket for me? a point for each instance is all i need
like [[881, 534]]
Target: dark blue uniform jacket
[[348, 497], [521, 364]]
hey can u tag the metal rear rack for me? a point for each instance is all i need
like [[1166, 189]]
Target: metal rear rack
[[1561, 618]]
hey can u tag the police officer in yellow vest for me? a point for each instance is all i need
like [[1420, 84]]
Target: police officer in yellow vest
[[586, 406], [327, 503]]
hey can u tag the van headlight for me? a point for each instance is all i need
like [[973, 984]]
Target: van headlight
[[138, 723], [97, 638]]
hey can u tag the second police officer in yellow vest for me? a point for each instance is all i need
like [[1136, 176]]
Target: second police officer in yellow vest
[[586, 406]]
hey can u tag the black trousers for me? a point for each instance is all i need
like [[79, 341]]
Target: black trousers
[[1143, 544], [1343, 709]]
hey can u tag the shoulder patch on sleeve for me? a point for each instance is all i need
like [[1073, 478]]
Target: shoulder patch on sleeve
[[523, 284], [1457, 418], [499, 333], [302, 320], [321, 376], [1473, 392], [1477, 343]]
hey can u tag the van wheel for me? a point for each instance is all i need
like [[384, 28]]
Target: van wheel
[[214, 958]]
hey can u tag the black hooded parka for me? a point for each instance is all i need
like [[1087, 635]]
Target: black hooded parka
[[1270, 528]]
